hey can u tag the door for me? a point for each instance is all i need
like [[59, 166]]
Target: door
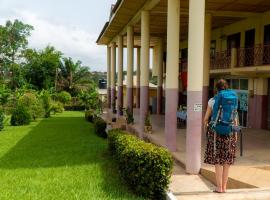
[[268, 107], [249, 47], [266, 48], [233, 41]]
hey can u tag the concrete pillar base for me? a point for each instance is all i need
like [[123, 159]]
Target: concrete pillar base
[[171, 119], [130, 99], [159, 100], [194, 131], [205, 97], [113, 99], [120, 100], [144, 102], [109, 97], [257, 111], [138, 97]]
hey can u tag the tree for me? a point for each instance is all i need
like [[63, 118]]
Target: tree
[[72, 73], [13, 41], [40, 67]]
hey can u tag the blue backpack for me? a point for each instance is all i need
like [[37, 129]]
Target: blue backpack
[[224, 112]]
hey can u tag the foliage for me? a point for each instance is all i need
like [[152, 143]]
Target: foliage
[[147, 121], [100, 127], [13, 41], [145, 167], [72, 73], [4, 95], [90, 115], [2, 117], [90, 98], [64, 97], [40, 67], [47, 102], [129, 116], [20, 116], [57, 107], [33, 104], [58, 154]]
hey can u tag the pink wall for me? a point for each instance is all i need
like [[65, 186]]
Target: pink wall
[[257, 111]]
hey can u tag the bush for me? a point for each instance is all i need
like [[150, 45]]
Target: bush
[[90, 115], [64, 97], [57, 107], [100, 127], [20, 116], [145, 167], [2, 117], [74, 108], [33, 104], [46, 98]]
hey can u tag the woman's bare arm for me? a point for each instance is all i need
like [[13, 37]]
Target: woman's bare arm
[[207, 116]]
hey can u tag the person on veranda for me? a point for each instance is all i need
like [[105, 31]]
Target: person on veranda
[[220, 150]]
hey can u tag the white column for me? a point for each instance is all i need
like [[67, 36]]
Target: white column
[[195, 85], [120, 75], [145, 49], [172, 72], [113, 72], [130, 65], [206, 61], [109, 76]]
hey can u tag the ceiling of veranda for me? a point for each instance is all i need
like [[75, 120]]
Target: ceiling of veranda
[[224, 13]]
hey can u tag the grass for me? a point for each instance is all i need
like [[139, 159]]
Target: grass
[[58, 158]]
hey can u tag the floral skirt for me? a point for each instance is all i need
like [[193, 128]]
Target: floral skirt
[[223, 153]]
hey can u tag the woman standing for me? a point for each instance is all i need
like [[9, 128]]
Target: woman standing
[[220, 150]]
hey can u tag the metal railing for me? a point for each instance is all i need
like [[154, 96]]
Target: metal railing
[[221, 60], [254, 56]]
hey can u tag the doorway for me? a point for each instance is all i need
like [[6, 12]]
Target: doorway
[[266, 46], [249, 47]]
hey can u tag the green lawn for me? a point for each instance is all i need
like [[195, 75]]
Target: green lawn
[[57, 158]]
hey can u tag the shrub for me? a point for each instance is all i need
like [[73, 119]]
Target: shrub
[[27, 99], [129, 116], [64, 97], [90, 115], [145, 167], [74, 108], [33, 104], [2, 117], [100, 127], [46, 98], [20, 116], [57, 107]]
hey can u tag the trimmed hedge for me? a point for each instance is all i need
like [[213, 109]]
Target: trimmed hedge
[[100, 126], [145, 167], [74, 108]]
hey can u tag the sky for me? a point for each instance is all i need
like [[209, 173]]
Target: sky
[[72, 26]]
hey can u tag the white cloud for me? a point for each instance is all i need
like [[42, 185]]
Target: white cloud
[[73, 42]]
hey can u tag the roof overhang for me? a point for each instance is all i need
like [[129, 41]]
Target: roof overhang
[[127, 12]]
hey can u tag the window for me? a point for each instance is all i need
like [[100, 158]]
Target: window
[[243, 84], [235, 84]]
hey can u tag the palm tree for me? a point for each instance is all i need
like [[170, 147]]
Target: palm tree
[[72, 73]]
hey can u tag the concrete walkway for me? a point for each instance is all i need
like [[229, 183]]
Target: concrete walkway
[[251, 172]]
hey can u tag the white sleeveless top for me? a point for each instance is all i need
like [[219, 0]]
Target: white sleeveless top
[[211, 103]]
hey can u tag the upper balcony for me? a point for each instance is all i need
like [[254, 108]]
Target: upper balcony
[[258, 55]]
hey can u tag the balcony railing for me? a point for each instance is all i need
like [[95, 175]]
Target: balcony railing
[[221, 60], [254, 56]]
